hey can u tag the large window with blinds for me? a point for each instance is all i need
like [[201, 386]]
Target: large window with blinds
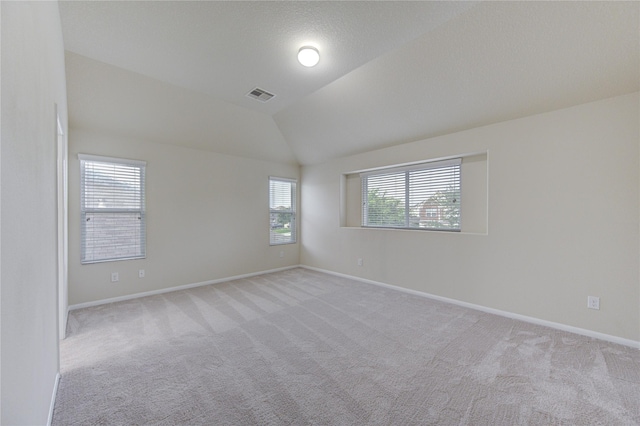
[[282, 211], [112, 206], [422, 196]]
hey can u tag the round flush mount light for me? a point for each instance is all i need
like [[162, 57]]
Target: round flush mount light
[[308, 56]]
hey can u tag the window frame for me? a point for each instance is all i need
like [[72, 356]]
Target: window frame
[[85, 209], [292, 211], [404, 173]]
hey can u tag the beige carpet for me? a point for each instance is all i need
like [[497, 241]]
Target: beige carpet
[[304, 348]]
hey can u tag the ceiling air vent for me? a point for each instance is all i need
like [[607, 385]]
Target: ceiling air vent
[[261, 95]]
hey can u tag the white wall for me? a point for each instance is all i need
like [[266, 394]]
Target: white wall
[[207, 218], [563, 220], [33, 81]]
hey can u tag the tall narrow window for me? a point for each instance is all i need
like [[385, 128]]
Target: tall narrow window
[[422, 196], [112, 207], [282, 211]]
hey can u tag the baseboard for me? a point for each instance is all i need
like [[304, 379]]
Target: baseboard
[[177, 288], [53, 399], [532, 320]]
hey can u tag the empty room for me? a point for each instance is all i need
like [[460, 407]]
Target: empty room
[[320, 213]]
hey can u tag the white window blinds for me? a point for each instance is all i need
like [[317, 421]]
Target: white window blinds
[[422, 196], [112, 206], [282, 211]]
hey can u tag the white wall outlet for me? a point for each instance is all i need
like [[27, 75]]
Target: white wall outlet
[[360, 262], [593, 302], [281, 254], [114, 277], [141, 273]]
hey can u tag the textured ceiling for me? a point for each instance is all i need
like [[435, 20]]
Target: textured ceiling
[[225, 49], [390, 72]]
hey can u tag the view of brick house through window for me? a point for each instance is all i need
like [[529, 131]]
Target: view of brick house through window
[[421, 196], [112, 205]]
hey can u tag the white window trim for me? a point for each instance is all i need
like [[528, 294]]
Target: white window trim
[[415, 167], [84, 210], [102, 159], [293, 210]]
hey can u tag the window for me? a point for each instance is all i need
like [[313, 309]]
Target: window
[[282, 211], [112, 207], [422, 196]]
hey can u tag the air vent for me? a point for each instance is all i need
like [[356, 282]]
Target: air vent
[[261, 95]]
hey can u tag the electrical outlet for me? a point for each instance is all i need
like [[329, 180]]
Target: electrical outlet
[[360, 263], [593, 302], [114, 277], [141, 273], [281, 254]]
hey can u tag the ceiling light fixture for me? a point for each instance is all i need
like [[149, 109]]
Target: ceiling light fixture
[[308, 56]]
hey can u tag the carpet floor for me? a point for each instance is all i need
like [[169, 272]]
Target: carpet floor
[[299, 347]]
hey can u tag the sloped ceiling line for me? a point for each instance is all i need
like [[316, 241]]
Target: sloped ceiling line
[[390, 72]]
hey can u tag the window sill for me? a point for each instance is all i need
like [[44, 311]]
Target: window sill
[[430, 231], [283, 244]]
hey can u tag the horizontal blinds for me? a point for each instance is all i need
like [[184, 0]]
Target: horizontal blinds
[[112, 186], [280, 194], [282, 211], [423, 196], [384, 197], [112, 204]]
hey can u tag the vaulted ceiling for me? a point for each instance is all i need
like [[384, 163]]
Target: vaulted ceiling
[[390, 72]]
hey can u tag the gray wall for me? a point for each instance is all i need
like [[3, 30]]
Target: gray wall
[[33, 82]]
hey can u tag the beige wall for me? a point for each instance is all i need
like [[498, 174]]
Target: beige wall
[[562, 220], [33, 82], [207, 218]]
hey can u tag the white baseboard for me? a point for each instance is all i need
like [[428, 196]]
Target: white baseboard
[[53, 399], [177, 288], [532, 320]]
